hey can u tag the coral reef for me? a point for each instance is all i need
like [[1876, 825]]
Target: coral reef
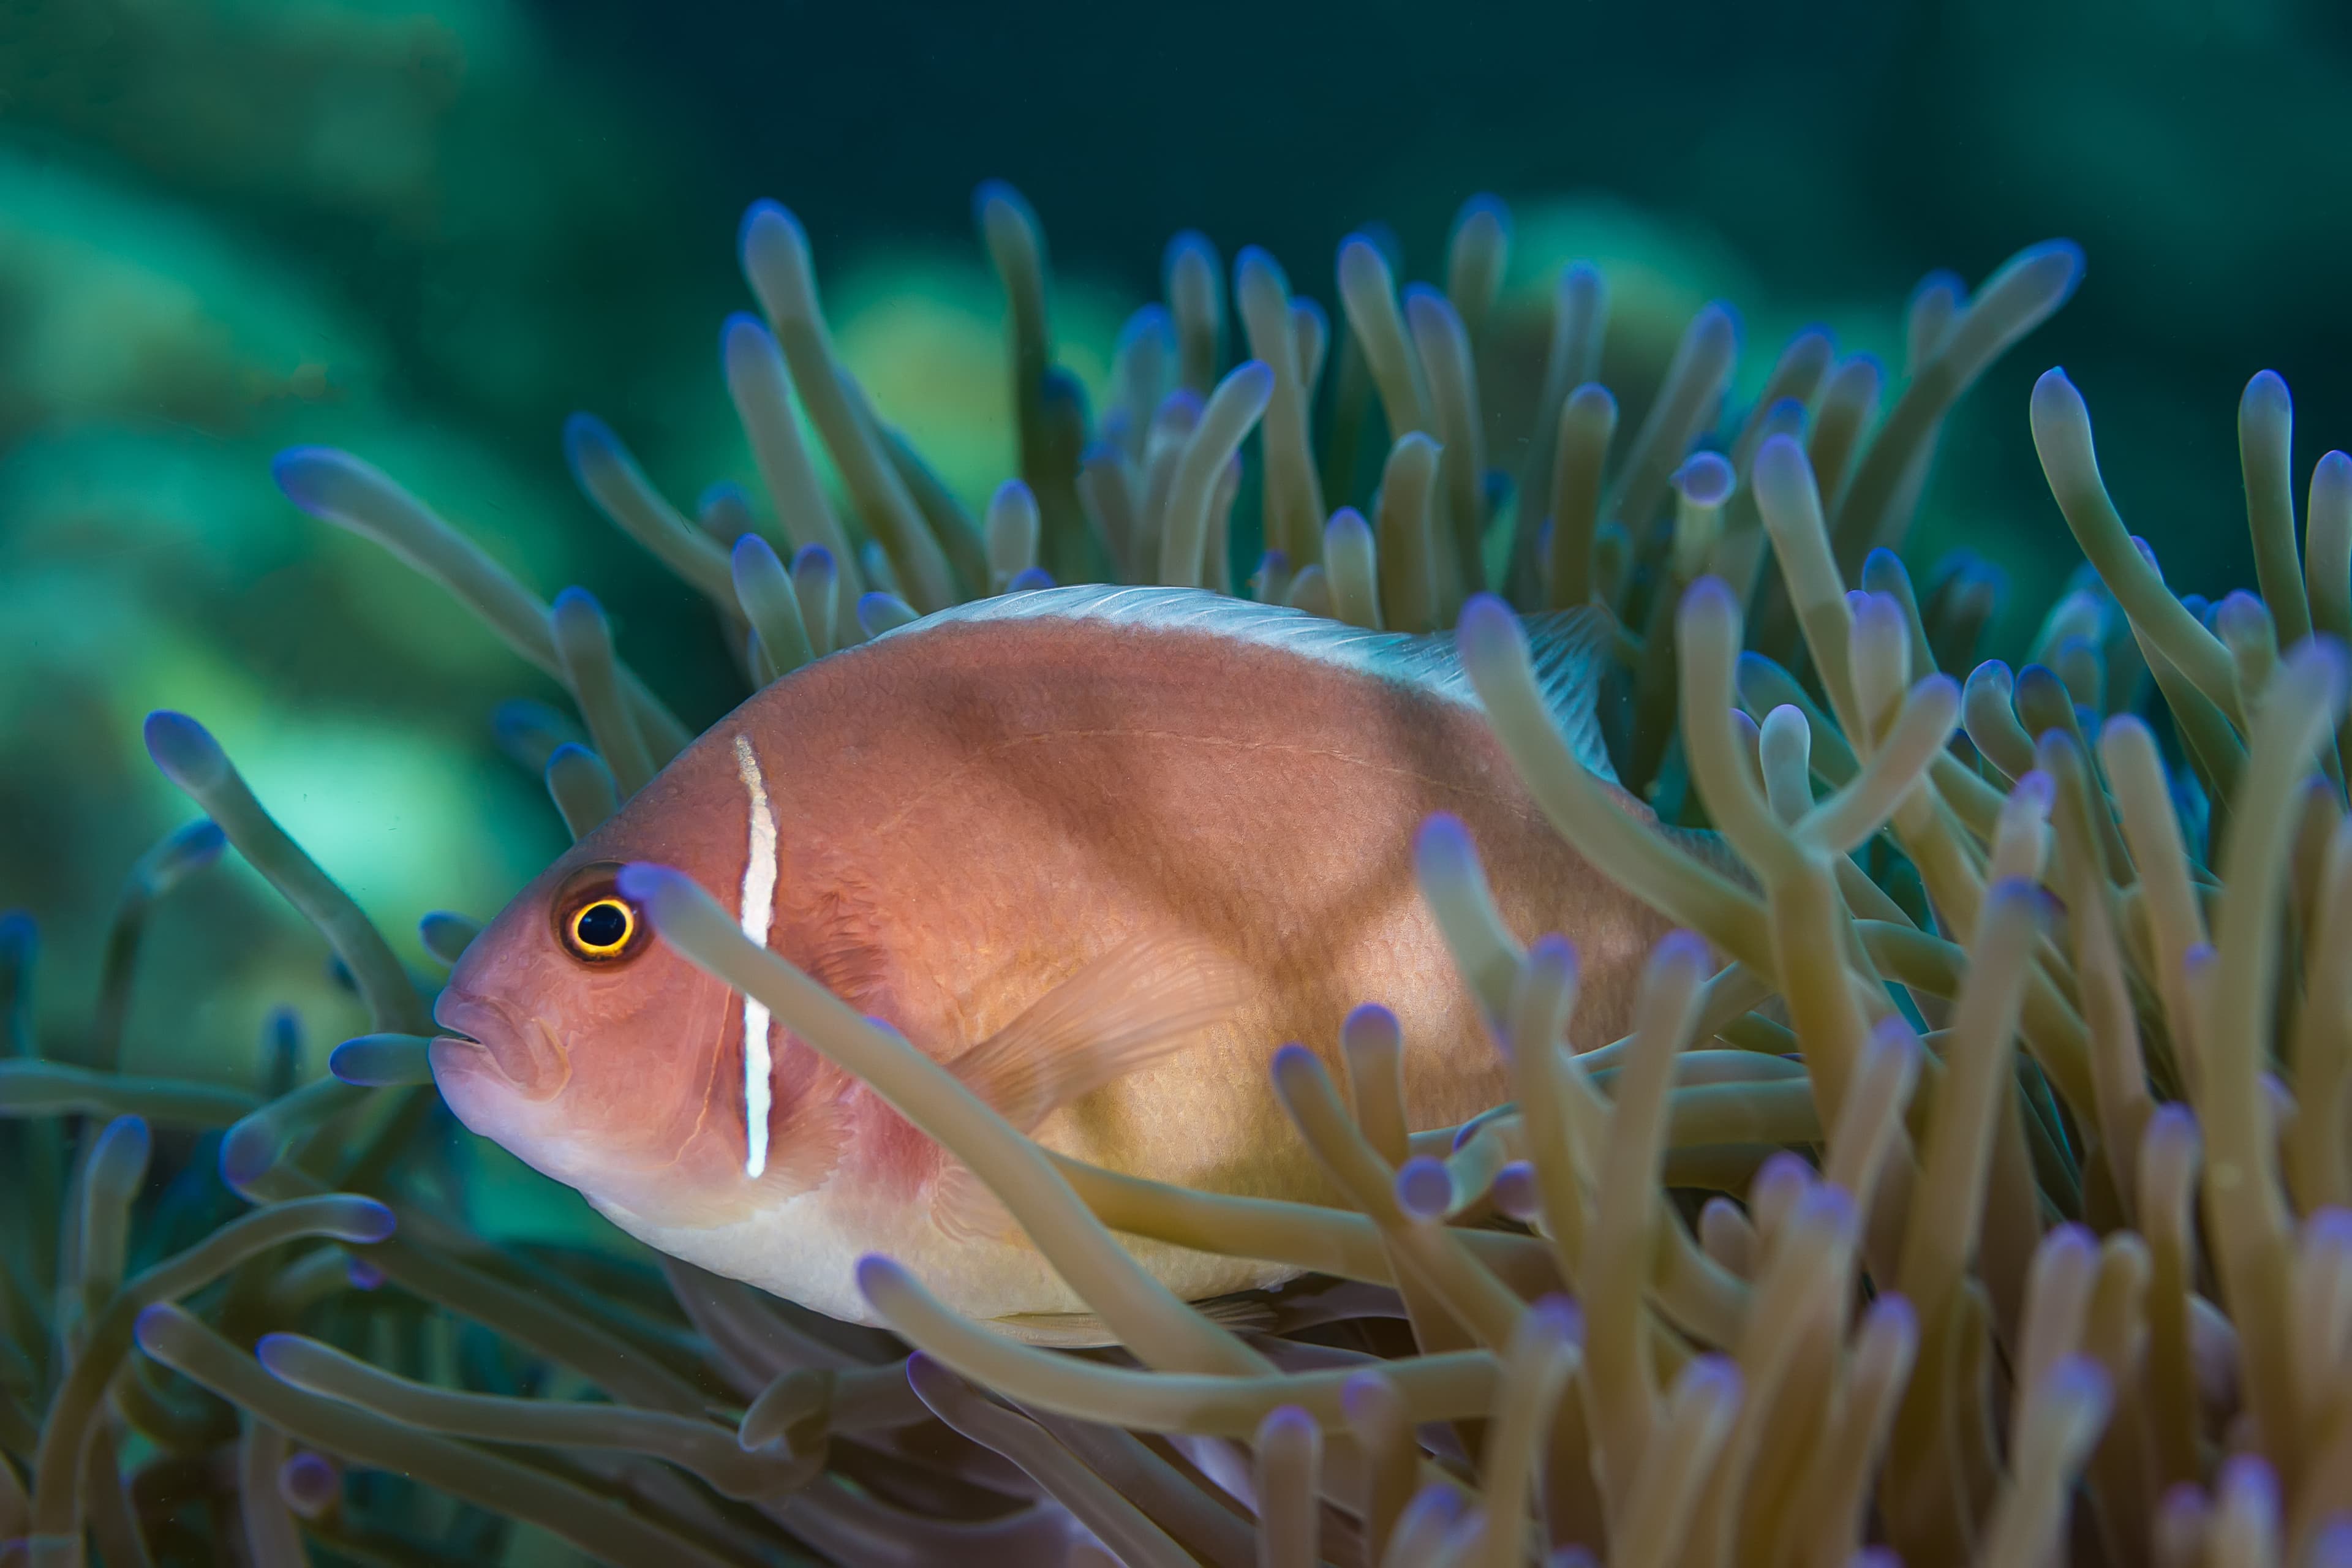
[[1972, 1189]]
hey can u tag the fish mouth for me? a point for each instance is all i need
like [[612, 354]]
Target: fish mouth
[[451, 1034], [486, 1036]]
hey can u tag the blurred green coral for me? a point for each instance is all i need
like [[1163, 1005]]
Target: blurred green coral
[[157, 340]]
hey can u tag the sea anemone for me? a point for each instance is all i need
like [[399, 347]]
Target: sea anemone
[[1816, 1266]]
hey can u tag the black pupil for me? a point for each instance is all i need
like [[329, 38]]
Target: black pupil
[[603, 924]]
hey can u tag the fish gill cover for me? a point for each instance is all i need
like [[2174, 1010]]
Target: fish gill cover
[[1973, 1186]]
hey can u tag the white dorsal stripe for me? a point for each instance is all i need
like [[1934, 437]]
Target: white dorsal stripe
[[1568, 646], [759, 865]]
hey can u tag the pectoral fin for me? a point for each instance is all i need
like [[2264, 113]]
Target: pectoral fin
[[1139, 1002]]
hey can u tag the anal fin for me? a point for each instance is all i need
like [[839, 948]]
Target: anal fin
[[1245, 1311]]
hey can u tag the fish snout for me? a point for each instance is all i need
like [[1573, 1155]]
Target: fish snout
[[491, 1036]]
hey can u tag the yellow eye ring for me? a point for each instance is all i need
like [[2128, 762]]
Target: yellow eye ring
[[601, 929]]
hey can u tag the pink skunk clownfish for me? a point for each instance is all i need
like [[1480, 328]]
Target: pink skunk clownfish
[[1100, 851]]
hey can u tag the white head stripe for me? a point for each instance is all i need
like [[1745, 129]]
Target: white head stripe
[[759, 865]]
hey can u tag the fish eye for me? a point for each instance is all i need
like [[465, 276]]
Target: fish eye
[[602, 928], [595, 923]]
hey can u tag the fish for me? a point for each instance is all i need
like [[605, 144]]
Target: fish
[[1099, 851]]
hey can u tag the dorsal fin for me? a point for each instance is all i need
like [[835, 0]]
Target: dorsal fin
[[1570, 647], [1570, 652]]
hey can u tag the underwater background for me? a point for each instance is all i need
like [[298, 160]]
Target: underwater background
[[430, 232]]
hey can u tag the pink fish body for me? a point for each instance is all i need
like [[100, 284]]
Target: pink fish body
[[1099, 850]]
